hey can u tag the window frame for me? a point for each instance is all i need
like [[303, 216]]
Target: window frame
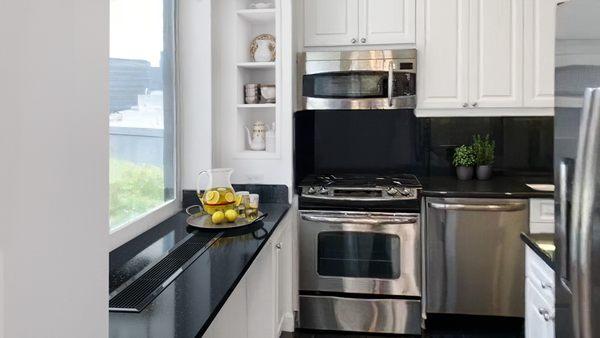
[[144, 222]]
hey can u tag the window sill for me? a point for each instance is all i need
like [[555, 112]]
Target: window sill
[[137, 226]]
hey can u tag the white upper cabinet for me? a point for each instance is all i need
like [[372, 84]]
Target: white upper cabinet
[[540, 28], [358, 22], [387, 21], [442, 47], [496, 53], [485, 57], [330, 22]]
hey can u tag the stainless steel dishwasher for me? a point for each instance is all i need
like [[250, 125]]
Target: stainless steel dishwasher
[[475, 262]]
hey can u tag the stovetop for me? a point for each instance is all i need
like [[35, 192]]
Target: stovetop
[[363, 192], [362, 180]]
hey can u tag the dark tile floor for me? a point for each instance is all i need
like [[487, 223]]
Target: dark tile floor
[[441, 327]]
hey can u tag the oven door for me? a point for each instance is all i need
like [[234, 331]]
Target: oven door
[[360, 252]]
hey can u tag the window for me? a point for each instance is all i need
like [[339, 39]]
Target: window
[[142, 109]]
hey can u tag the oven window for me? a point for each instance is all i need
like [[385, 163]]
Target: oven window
[[358, 254], [357, 84]]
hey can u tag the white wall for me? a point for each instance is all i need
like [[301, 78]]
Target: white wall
[[54, 167], [195, 109]]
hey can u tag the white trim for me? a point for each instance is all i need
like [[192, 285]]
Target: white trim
[[137, 226], [484, 112]]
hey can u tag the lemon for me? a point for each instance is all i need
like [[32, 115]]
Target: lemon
[[212, 197], [229, 197], [231, 215], [218, 217], [238, 199]]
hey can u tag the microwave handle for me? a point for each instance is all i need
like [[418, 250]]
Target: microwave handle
[[390, 82]]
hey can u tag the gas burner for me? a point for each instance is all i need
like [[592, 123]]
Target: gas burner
[[362, 180], [360, 191]]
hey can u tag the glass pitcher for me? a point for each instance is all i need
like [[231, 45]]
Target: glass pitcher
[[218, 194]]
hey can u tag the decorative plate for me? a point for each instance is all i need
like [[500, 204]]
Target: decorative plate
[[255, 44]]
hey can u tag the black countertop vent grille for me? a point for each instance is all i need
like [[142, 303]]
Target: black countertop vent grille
[[134, 295]]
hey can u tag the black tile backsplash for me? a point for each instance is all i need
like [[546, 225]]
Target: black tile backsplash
[[357, 141], [524, 145]]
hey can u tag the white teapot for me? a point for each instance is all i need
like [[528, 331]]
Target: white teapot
[[256, 139]]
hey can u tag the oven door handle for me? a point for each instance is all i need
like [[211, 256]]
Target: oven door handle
[[360, 220], [479, 207]]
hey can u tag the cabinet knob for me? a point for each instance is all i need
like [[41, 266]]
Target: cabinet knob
[[474, 104], [545, 285], [278, 246], [545, 314], [363, 40], [353, 40], [465, 105]]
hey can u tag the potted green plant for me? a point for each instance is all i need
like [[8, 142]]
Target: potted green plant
[[464, 160], [483, 147]]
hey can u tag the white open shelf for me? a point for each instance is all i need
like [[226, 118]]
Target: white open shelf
[[256, 65], [259, 16], [256, 105]]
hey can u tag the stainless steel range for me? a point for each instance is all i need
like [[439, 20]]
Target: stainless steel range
[[360, 255]]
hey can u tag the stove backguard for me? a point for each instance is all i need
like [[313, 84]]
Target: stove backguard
[[358, 141]]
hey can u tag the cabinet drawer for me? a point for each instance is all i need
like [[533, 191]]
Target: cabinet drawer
[[541, 210], [539, 313], [540, 275]]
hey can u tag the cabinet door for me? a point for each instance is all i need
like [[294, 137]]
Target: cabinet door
[[284, 259], [538, 58], [536, 324], [496, 53], [442, 45], [387, 21], [330, 22], [235, 307]]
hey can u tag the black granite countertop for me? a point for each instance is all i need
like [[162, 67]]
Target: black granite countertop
[[496, 187], [542, 245], [188, 305]]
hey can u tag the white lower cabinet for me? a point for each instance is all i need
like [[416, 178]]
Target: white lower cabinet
[[539, 297], [261, 306]]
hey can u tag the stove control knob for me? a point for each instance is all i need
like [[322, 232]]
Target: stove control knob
[[405, 192], [311, 190], [392, 191], [322, 190]]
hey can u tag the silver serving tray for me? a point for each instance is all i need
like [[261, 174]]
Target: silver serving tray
[[203, 220]]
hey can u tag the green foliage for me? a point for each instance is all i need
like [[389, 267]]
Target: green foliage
[[134, 190], [483, 147], [464, 156]]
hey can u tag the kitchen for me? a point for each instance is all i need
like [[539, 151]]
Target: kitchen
[[363, 167]]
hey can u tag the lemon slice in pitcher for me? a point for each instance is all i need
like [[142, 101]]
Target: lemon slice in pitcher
[[229, 197], [212, 197]]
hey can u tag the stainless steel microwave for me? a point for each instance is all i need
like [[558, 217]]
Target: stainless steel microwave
[[383, 79]]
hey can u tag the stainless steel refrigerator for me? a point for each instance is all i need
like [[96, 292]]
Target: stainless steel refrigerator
[[577, 169]]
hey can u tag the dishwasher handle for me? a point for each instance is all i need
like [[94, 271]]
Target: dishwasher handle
[[360, 220], [478, 207]]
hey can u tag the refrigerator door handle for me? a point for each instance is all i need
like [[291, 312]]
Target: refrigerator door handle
[[563, 222], [583, 199]]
